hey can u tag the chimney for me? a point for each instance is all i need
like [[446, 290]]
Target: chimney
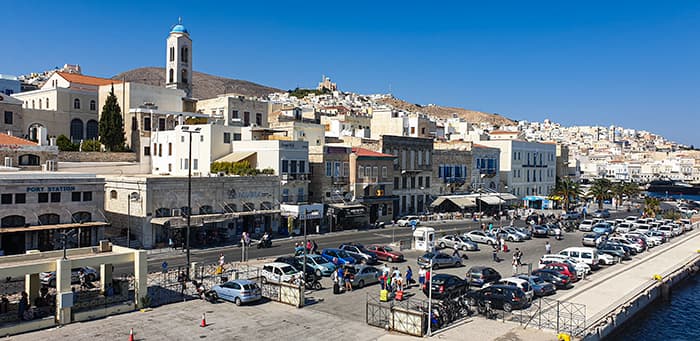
[[9, 132]]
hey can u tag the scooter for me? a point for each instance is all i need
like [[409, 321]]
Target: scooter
[[315, 284], [264, 243], [209, 295]]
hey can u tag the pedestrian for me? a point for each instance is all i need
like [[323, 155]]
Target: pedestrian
[[490, 227], [308, 246], [515, 265], [409, 277], [455, 247], [519, 256], [23, 305], [483, 227], [298, 249], [385, 270], [247, 239], [421, 277], [547, 248], [503, 244], [382, 281], [171, 244], [83, 279], [339, 276], [495, 254], [314, 247]]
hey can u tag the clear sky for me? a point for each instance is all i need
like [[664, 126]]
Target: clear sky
[[629, 63]]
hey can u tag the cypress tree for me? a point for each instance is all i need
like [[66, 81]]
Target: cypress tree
[[111, 124]]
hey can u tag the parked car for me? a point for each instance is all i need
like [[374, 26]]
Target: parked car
[[591, 239], [238, 291], [462, 243], [408, 220], [520, 283], [298, 264], [386, 253], [628, 249], [657, 234], [602, 228], [366, 256], [614, 250], [480, 237], [585, 255], [524, 230], [563, 269], [631, 218], [687, 225], [439, 260], [480, 275], [446, 285], [585, 225], [361, 275], [624, 227], [624, 241], [321, 266], [278, 272], [504, 297], [553, 230], [606, 259], [337, 256], [559, 280], [49, 278], [601, 213], [667, 230], [571, 215], [523, 233], [579, 268], [509, 235], [540, 231], [539, 286]]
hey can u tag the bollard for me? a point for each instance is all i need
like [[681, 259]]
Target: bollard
[[657, 277], [563, 337]]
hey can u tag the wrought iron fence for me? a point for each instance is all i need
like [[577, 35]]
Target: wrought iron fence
[[547, 313], [407, 316]]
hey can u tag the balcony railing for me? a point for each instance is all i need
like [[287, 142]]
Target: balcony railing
[[340, 180]]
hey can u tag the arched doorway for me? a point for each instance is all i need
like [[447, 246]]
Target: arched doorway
[[76, 130], [92, 130], [49, 219], [28, 160], [33, 131], [13, 243]]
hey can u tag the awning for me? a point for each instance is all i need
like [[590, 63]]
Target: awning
[[437, 201], [508, 196], [490, 200], [201, 219], [236, 157], [349, 210], [54, 227], [463, 202]]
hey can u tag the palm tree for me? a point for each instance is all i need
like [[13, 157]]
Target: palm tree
[[568, 189], [601, 191], [624, 189], [651, 206]]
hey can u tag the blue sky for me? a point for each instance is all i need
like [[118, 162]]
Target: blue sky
[[629, 63]]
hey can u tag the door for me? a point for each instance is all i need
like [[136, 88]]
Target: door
[[373, 213], [13, 243]]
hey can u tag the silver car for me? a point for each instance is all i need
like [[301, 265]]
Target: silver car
[[509, 235], [462, 243], [439, 260], [361, 275], [481, 237]]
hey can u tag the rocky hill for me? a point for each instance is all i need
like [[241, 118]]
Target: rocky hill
[[448, 112], [203, 85]]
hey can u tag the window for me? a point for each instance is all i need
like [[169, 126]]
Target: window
[[172, 53], [201, 138], [184, 76], [227, 137], [147, 123], [43, 197], [93, 105], [92, 130], [20, 198], [28, 160], [300, 194], [171, 75], [87, 196], [285, 195], [246, 118], [384, 172], [420, 181], [146, 151], [195, 164], [6, 199], [76, 129], [336, 166], [329, 169], [258, 119], [302, 167], [56, 197], [420, 158], [75, 196], [186, 164], [8, 117], [404, 182], [361, 172], [285, 166], [160, 149], [161, 124], [234, 113], [32, 104], [427, 182], [427, 158], [413, 182], [39, 103], [375, 172], [170, 148], [76, 103]]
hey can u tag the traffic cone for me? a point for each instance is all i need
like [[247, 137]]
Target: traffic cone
[[131, 334], [204, 321]]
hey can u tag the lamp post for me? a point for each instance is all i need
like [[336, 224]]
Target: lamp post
[[133, 196], [187, 130], [430, 299]]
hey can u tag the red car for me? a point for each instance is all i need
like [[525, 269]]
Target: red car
[[563, 269], [386, 253]]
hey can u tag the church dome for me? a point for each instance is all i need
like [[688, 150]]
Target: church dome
[[179, 28]]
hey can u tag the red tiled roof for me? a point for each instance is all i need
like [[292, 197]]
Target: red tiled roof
[[88, 80], [502, 132], [482, 146], [367, 152], [7, 140]]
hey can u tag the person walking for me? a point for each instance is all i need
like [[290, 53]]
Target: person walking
[[314, 247], [340, 277], [515, 265], [547, 248], [23, 305], [518, 256], [409, 277], [455, 247], [220, 269], [495, 254], [421, 277], [346, 277]]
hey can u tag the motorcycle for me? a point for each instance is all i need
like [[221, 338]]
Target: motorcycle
[[208, 295], [379, 225], [315, 285], [265, 243]]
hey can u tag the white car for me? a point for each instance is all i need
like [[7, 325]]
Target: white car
[[579, 266], [408, 221], [687, 225], [606, 259], [481, 237], [586, 255], [624, 227], [278, 272], [667, 230], [586, 225], [631, 219]]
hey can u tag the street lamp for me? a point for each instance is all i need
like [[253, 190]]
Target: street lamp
[[133, 196], [430, 299], [187, 130]]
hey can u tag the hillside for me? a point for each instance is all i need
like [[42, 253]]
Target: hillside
[[447, 112], [203, 85]]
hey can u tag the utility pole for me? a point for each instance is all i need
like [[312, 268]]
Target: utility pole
[[189, 194]]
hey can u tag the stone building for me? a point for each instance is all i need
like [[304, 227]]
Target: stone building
[[233, 109], [329, 172], [12, 119], [18, 152], [36, 207], [372, 177], [222, 208], [387, 121]]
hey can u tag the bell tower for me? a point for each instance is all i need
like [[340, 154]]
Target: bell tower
[[178, 64]]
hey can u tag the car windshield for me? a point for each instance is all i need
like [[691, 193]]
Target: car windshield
[[388, 249], [537, 280], [288, 270], [318, 259], [343, 254], [429, 255]]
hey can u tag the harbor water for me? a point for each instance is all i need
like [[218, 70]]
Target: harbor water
[[676, 318]]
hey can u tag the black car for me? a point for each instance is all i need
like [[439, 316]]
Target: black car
[[480, 275], [354, 249], [552, 276], [615, 251], [628, 250], [297, 264], [445, 285], [500, 296], [540, 231]]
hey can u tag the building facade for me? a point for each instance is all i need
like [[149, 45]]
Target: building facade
[[372, 183], [232, 109]]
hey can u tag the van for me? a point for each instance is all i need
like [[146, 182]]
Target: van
[[687, 225], [278, 272], [586, 255]]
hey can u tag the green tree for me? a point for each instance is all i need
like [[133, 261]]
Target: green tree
[[601, 190], [568, 189], [111, 125], [65, 145], [652, 206]]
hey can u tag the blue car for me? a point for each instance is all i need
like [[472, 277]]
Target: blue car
[[321, 266], [337, 256], [238, 291], [602, 228]]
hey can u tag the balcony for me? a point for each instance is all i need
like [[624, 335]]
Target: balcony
[[294, 177], [454, 180], [340, 180]]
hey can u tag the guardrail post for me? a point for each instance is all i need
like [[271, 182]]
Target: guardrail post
[[557, 316]]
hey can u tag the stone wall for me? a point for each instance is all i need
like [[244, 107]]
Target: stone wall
[[96, 157]]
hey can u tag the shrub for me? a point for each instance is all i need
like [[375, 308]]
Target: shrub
[[91, 146], [65, 145]]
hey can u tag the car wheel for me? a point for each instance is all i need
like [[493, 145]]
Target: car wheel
[[472, 301], [389, 259], [442, 245], [458, 264], [317, 285], [507, 307], [510, 239], [263, 280], [465, 248], [237, 301], [318, 273], [361, 283], [489, 242], [91, 278], [436, 266]]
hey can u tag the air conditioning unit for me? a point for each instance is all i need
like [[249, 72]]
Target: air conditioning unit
[[285, 177], [8, 162], [51, 165], [176, 212], [196, 173]]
